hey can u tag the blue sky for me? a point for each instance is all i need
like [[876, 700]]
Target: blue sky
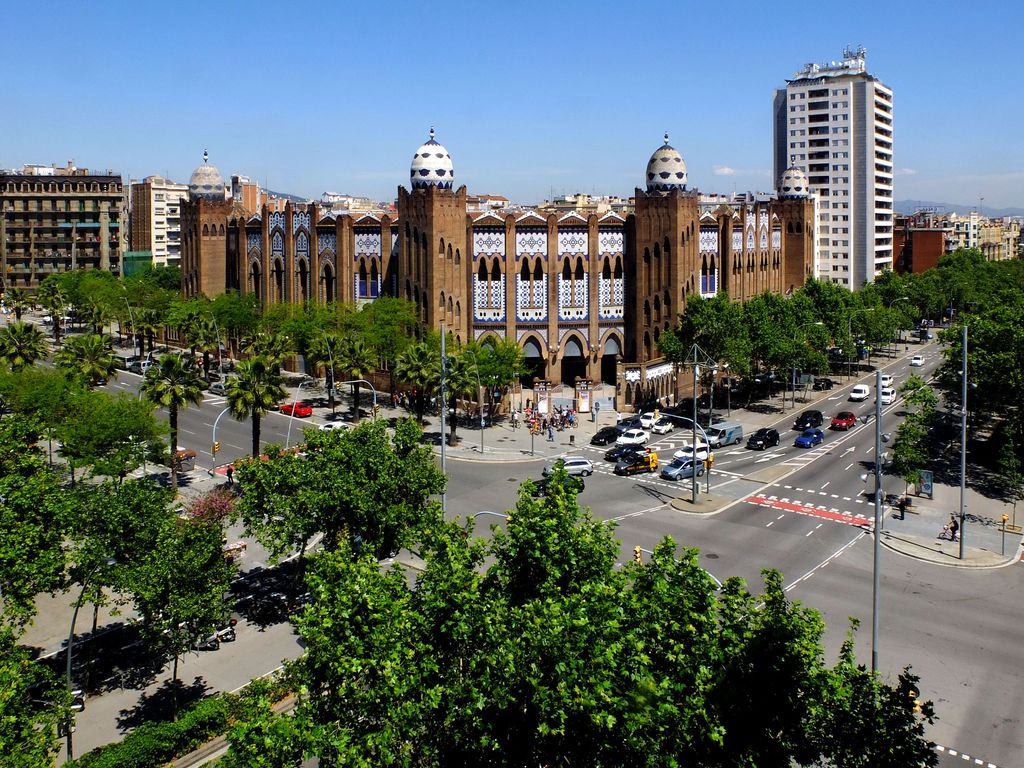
[[529, 98]]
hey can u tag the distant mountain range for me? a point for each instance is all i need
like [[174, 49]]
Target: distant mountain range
[[911, 206]]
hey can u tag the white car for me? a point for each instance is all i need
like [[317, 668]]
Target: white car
[[647, 420], [916, 361], [687, 452], [887, 395], [860, 392], [633, 437], [663, 426], [140, 367], [577, 466], [330, 426], [887, 380], [218, 388]]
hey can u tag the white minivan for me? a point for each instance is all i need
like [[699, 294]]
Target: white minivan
[[860, 392]]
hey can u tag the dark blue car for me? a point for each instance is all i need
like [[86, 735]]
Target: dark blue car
[[809, 438]]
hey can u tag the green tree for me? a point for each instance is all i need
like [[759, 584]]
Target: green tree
[[537, 649], [359, 484], [21, 345], [356, 360], [172, 385], [18, 300], [460, 382], [419, 367], [34, 515], [253, 391], [237, 316], [324, 350], [272, 346], [111, 434], [390, 325], [31, 707], [716, 325], [51, 297], [910, 450], [87, 358]]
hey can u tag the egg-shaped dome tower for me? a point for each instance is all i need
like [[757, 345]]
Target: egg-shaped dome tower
[[793, 183], [206, 182], [666, 170], [431, 166]]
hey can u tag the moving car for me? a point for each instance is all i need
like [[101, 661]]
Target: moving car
[[887, 395], [887, 379], [633, 422], [687, 451], [663, 426], [647, 420], [725, 433], [808, 419], [766, 437], [604, 436], [572, 482], [844, 420], [622, 451], [809, 438], [645, 462], [298, 409], [681, 467], [916, 361], [574, 465], [859, 393], [330, 426], [140, 366], [823, 383], [218, 388], [633, 436]]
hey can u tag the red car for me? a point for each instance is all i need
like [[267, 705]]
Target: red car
[[844, 420], [300, 410]]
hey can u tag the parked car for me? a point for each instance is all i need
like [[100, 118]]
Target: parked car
[[635, 436], [572, 482], [823, 383], [622, 451], [574, 465], [663, 426], [766, 437], [645, 462], [681, 467], [604, 436], [860, 392], [887, 395], [331, 426], [844, 420], [725, 433], [809, 438], [298, 409], [218, 388], [687, 451], [887, 379], [764, 379], [647, 419], [140, 366], [917, 361], [808, 419]]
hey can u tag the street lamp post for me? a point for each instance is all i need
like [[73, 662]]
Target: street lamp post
[[131, 317], [291, 416], [963, 434], [71, 642]]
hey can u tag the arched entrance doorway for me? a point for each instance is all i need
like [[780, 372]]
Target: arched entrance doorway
[[612, 352], [534, 362], [574, 363]]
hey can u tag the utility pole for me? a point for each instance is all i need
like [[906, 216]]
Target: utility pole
[[963, 435]]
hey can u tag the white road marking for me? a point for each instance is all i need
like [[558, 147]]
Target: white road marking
[[827, 560], [848, 466], [825, 485]]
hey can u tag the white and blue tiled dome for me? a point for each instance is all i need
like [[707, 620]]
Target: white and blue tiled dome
[[666, 170], [432, 166], [793, 183], [206, 182]]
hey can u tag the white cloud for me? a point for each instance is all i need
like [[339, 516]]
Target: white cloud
[[904, 172], [724, 170]]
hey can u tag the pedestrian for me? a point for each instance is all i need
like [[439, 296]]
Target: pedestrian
[[551, 434], [231, 474], [950, 528]]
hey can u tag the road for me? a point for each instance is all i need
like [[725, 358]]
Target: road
[[802, 511]]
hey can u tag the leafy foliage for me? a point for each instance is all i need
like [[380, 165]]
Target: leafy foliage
[[112, 434], [32, 704], [252, 391], [87, 358], [21, 345]]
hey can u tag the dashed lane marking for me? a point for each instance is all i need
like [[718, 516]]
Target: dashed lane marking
[[834, 515], [962, 756]]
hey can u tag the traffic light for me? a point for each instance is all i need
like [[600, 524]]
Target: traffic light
[[216, 447], [710, 460], [638, 554]]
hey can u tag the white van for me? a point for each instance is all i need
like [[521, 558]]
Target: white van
[[726, 433], [860, 392]]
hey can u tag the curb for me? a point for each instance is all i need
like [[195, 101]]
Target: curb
[[954, 563]]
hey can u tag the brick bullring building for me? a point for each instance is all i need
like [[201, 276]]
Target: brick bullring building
[[585, 297]]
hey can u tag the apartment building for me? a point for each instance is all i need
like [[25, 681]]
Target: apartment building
[[834, 122], [156, 219], [54, 219]]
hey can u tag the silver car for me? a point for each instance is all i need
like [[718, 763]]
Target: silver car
[[578, 466]]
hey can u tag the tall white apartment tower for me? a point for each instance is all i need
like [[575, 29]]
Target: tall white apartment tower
[[834, 122]]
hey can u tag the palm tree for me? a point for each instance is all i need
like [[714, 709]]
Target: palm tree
[[21, 345], [418, 366], [252, 391], [324, 350], [460, 380], [148, 322], [357, 360], [17, 299], [88, 358], [50, 298], [202, 337], [173, 385], [274, 346]]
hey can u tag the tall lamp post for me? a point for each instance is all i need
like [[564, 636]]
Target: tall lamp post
[[131, 317], [963, 434], [849, 333], [295, 403], [71, 643], [793, 376], [696, 363]]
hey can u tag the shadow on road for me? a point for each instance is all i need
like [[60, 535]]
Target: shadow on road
[[162, 703]]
